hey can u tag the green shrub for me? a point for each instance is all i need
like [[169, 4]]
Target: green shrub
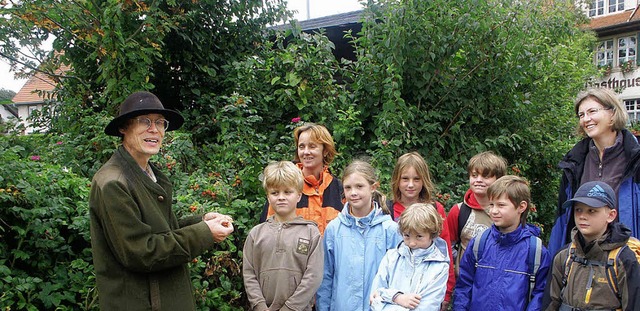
[[45, 260]]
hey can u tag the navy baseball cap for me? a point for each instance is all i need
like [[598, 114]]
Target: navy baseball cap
[[594, 194]]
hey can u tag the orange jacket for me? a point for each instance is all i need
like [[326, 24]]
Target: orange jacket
[[321, 200]]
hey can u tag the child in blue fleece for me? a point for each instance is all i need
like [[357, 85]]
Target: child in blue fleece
[[355, 242], [414, 276]]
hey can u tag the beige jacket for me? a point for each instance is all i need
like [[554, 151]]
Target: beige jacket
[[282, 264]]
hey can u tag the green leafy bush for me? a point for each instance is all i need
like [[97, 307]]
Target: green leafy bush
[[45, 258]]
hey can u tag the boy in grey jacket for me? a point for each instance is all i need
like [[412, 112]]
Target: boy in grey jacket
[[283, 258]]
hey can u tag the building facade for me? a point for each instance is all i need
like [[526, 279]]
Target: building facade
[[37, 92], [617, 26]]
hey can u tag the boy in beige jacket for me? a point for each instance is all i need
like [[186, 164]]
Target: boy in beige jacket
[[283, 258]]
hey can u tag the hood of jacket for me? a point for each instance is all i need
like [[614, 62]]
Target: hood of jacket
[[375, 217], [535, 230], [297, 221], [436, 252], [574, 159], [470, 200]]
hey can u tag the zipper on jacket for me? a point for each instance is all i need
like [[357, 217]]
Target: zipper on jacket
[[278, 246], [514, 271], [600, 169], [589, 288]]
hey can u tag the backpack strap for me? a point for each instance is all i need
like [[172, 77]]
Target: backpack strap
[[571, 256], [463, 216], [391, 211], [534, 259], [478, 246], [612, 270]]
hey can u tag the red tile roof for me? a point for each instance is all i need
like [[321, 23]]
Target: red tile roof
[[38, 82], [614, 19], [636, 14]]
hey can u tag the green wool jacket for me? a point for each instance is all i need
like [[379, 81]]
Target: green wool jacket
[[140, 250]]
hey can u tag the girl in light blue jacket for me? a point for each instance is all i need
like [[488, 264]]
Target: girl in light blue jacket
[[414, 276], [355, 242]]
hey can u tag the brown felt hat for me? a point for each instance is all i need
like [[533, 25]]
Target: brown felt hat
[[140, 103]]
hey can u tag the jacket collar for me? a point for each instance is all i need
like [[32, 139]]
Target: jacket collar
[[311, 180], [616, 235], [511, 237], [436, 252], [574, 159], [134, 171], [375, 217], [298, 220]]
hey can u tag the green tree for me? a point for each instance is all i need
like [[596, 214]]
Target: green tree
[[6, 95], [177, 48], [453, 78]]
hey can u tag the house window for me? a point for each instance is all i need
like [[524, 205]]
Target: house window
[[615, 6], [601, 7], [633, 110], [32, 109], [604, 54], [626, 49]]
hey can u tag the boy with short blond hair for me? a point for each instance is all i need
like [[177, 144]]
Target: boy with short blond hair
[[466, 219], [508, 263], [284, 249], [597, 270]]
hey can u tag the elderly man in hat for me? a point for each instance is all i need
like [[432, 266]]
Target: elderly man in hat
[[140, 250]]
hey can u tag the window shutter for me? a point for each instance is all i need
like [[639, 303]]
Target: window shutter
[[637, 45]]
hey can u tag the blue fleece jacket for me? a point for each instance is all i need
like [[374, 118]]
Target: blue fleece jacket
[[353, 251]]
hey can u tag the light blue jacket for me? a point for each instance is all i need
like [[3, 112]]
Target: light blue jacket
[[423, 272], [353, 251], [500, 281]]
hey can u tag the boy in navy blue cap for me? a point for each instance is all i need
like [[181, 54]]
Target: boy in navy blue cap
[[598, 270]]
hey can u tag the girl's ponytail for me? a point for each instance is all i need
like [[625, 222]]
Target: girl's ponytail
[[379, 197]]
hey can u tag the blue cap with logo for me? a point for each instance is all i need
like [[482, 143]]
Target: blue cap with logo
[[594, 194]]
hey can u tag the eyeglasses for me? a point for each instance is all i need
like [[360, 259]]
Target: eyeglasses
[[161, 124], [590, 112]]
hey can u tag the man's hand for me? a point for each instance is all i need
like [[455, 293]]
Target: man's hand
[[409, 301], [220, 225], [212, 215]]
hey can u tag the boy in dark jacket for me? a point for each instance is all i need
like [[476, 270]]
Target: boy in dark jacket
[[283, 258], [583, 276]]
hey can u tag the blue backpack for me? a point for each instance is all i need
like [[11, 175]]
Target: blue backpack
[[533, 258]]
